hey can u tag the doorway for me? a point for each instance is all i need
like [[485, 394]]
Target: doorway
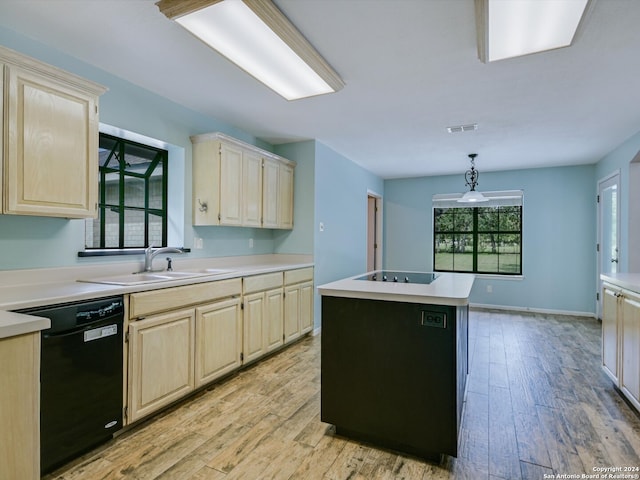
[[374, 232], [608, 246]]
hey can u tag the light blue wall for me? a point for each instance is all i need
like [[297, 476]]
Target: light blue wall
[[300, 240], [620, 159], [559, 229], [31, 242], [341, 205]]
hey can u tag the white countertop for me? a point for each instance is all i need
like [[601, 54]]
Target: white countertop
[[13, 324], [21, 289], [446, 289], [630, 281]]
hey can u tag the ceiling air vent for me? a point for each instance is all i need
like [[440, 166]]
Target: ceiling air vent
[[462, 128]]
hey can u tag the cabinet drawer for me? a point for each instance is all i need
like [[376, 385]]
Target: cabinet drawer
[[258, 283], [145, 303], [298, 276]]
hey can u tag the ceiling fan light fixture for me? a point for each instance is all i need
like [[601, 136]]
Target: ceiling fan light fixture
[[512, 28], [258, 38]]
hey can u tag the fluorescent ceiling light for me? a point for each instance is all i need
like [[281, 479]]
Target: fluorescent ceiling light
[[258, 38], [511, 28]]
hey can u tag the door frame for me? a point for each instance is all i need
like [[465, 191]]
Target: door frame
[[613, 177], [377, 230]]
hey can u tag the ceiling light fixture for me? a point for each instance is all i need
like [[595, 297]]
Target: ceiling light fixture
[[511, 28], [471, 179], [258, 38]]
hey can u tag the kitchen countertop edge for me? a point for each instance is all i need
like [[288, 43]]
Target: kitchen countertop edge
[[51, 293], [13, 324], [448, 289], [629, 281]]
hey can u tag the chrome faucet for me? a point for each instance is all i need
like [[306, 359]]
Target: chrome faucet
[[150, 254]]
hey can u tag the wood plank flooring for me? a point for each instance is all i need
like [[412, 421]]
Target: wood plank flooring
[[537, 403]]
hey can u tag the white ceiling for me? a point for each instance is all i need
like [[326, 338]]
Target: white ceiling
[[410, 67]]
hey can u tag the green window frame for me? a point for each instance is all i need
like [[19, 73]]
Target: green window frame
[[132, 205], [483, 240]]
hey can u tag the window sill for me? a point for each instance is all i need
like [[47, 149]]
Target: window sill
[[108, 252], [492, 276]]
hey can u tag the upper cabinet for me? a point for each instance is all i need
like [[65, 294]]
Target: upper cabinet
[[238, 184], [49, 140]]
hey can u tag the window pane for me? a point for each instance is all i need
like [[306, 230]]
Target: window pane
[[132, 178], [510, 219], [111, 229], [155, 230], [443, 247], [463, 253], [463, 219], [155, 188], [487, 219], [138, 158], [510, 253], [134, 192], [498, 234], [443, 219], [106, 152], [134, 228], [112, 189]]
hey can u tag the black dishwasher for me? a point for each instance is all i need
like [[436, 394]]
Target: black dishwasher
[[80, 378]]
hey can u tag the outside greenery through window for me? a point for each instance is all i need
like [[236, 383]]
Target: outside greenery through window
[[478, 239], [132, 208]]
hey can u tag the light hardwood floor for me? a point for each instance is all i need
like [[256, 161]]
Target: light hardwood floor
[[537, 403]]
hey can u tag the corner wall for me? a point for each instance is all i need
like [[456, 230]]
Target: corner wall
[[620, 159], [341, 206], [559, 226]]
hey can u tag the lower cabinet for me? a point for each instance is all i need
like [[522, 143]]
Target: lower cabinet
[[160, 361], [20, 401], [621, 340], [219, 340], [610, 330], [298, 303], [630, 372], [274, 319], [182, 338], [263, 315]]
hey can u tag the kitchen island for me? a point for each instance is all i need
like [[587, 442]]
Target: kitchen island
[[395, 359]]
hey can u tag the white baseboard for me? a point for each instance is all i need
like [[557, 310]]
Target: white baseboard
[[480, 306]]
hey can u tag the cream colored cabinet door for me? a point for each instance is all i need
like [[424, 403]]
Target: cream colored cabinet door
[[251, 189], [306, 307], [2, 125], [285, 197], [610, 350], [230, 184], [291, 313], [270, 182], [274, 329], [630, 371], [51, 161], [254, 326], [219, 340], [206, 182], [20, 407], [161, 356]]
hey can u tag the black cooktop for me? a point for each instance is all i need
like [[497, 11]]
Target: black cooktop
[[400, 277]]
